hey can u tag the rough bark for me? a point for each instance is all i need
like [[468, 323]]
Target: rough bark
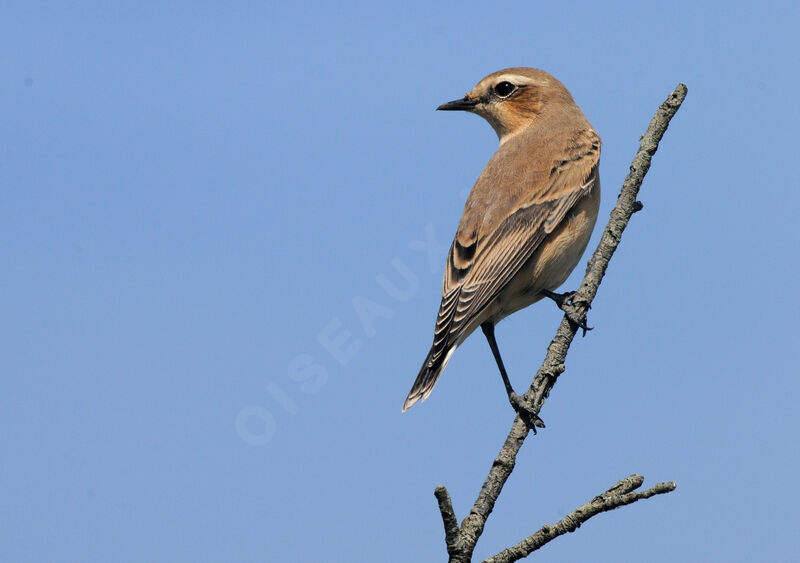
[[619, 495]]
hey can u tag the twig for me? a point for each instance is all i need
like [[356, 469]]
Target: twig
[[461, 547], [618, 495]]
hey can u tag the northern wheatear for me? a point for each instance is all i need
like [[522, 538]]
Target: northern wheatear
[[527, 220]]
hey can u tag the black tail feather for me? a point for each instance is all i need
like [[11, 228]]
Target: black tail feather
[[427, 377]]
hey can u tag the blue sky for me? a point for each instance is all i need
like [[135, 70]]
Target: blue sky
[[200, 201]]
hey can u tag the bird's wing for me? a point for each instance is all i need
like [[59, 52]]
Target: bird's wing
[[479, 265]]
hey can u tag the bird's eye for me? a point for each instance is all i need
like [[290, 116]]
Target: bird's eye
[[504, 89]]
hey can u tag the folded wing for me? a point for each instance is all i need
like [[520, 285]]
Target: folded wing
[[480, 265]]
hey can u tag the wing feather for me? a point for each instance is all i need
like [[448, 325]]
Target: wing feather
[[488, 251], [473, 279]]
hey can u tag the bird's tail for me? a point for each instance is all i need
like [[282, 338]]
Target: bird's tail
[[428, 376]]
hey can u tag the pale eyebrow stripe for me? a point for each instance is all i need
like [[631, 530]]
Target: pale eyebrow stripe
[[515, 78]]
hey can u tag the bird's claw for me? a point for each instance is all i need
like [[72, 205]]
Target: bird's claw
[[526, 412], [567, 303]]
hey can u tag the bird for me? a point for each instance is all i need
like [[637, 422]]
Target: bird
[[526, 222]]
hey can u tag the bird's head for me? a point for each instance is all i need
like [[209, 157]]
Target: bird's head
[[513, 98]]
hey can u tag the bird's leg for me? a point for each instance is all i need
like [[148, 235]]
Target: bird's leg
[[565, 303], [520, 405]]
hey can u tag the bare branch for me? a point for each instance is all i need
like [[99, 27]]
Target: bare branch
[[448, 517], [553, 364], [618, 495]]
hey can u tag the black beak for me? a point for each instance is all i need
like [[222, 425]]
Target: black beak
[[464, 104]]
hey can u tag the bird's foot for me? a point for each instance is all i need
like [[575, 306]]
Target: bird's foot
[[525, 411], [567, 303]]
